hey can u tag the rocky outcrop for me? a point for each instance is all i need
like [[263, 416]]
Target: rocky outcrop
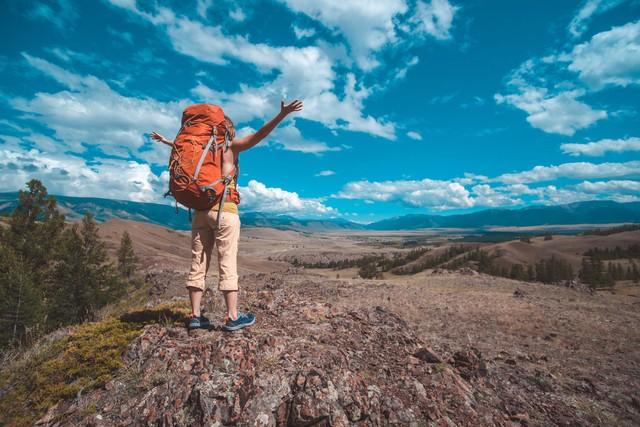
[[302, 364]]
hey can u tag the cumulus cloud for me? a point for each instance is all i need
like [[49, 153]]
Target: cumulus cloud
[[609, 58], [302, 71], [129, 180], [434, 18], [610, 187], [325, 173], [367, 26], [89, 112], [259, 198], [370, 26], [599, 148], [561, 113], [74, 176], [485, 195], [507, 189], [553, 111], [578, 170], [435, 194]]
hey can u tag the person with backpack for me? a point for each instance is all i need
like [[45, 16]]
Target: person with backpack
[[203, 176]]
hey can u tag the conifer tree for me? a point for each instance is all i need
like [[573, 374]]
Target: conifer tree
[[28, 254], [126, 257], [85, 280], [21, 311]]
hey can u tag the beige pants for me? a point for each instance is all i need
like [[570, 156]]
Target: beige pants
[[204, 234]]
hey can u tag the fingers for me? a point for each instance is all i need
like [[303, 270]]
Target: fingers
[[296, 105]]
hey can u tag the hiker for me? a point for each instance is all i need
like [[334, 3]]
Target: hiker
[[211, 190]]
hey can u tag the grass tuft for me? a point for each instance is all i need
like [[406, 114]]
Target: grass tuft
[[86, 358]]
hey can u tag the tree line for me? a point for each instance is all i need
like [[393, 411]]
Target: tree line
[[631, 251], [611, 230], [369, 266], [52, 275], [432, 261]]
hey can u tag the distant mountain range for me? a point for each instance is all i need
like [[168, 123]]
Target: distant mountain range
[[166, 215], [593, 212]]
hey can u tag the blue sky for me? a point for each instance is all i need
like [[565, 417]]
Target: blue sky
[[437, 106]]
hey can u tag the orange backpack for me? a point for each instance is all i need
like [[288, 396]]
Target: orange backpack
[[195, 165]]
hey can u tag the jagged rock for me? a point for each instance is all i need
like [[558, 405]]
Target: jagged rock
[[427, 355], [470, 363], [303, 363]]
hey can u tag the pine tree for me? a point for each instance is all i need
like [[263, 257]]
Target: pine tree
[[34, 225], [21, 311], [28, 254], [85, 281], [126, 257]]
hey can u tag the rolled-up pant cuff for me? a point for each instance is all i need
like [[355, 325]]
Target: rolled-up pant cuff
[[228, 284], [195, 284]]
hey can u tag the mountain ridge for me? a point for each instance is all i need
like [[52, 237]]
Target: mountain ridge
[[588, 212]]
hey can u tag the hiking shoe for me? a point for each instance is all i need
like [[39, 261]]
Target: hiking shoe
[[200, 322], [243, 320]]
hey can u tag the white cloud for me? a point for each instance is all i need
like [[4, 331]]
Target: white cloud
[[414, 135], [612, 186], [505, 190], [485, 195], [599, 148], [589, 8], [434, 18], [303, 33], [74, 176], [325, 173], [202, 7], [430, 193], [238, 15], [578, 170], [324, 106], [559, 113], [366, 25], [369, 26], [91, 113], [609, 58], [290, 138], [305, 72], [259, 198]]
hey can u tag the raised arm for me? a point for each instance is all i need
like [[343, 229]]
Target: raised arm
[[251, 140], [160, 138]]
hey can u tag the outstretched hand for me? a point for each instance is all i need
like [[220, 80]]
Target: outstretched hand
[[156, 136], [290, 108]]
